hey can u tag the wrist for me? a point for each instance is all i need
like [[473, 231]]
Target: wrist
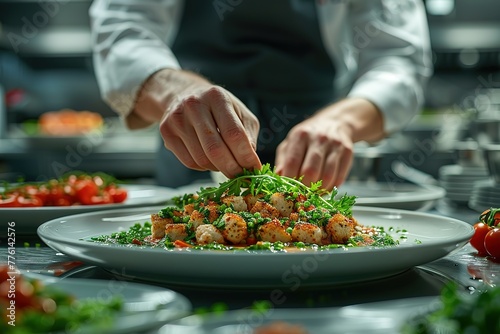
[[159, 91], [360, 118]]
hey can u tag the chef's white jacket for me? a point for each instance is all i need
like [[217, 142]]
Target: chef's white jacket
[[380, 49]]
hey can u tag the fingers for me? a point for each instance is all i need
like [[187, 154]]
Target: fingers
[[182, 153], [290, 155], [238, 129], [315, 156], [205, 132]]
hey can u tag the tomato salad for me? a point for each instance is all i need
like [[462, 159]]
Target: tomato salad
[[27, 305], [75, 188]]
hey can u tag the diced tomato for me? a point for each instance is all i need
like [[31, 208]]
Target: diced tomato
[[78, 188], [85, 191], [63, 201], [41, 192], [251, 240], [118, 195], [182, 244]]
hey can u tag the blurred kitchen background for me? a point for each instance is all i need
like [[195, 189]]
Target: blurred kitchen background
[[46, 65]]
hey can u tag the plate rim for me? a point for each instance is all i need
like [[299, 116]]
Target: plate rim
[[431, 251], [27, 220], [435, 193], [178, 300], [98, 206]]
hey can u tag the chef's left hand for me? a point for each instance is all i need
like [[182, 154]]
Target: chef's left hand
[[321, 147]]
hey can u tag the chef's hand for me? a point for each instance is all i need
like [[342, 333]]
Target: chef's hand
[[204, 125], [321, 147]]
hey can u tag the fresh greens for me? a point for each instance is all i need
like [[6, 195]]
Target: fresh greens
[[134, 235], [50, 310], [460, 313], [266, 181]]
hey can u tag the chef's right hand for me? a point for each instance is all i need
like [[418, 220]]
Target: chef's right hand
[[208, 128]]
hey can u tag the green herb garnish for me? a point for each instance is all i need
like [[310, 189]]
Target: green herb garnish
[[266, 181]]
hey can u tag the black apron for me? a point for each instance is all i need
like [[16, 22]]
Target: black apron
[[268, 53]]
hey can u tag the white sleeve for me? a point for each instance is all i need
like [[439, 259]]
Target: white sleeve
[[131, 41], [392, 46]]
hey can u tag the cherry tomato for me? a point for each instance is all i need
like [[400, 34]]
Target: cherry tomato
[[118, 195], [85, 190], [492, 243], [477, 240]]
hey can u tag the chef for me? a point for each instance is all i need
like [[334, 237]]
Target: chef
[[234, 84]]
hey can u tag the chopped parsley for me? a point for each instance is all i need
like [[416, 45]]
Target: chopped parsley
[[253, 209]]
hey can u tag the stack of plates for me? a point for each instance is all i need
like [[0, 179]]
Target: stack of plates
[[458, 181], [485, 194]]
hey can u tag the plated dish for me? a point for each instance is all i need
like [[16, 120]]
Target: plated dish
[[253, 211], [141, 307], [62, 128], [380, 317], [429, 237], [27, 220]]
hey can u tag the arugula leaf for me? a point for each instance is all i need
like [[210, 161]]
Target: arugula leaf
[[266, 181]]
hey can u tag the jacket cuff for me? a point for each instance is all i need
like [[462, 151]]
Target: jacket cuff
[[125, 70], [396, 98]]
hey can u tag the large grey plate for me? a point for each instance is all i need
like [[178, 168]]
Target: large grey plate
[[429, 237], [25, 221], [144, 306], [386, 317], [405, 196]]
